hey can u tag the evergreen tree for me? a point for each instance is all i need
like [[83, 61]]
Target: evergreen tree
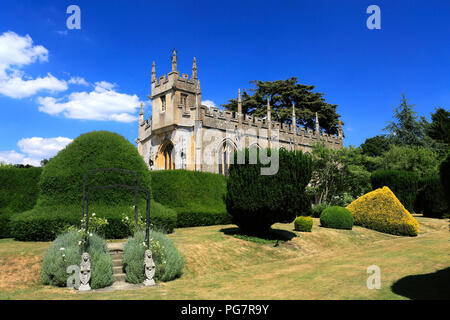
[[282, 94]]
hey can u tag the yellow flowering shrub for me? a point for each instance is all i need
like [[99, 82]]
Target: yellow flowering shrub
[[380, 210]]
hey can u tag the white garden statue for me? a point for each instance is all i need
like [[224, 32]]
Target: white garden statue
[[150, 268], [85, 272]]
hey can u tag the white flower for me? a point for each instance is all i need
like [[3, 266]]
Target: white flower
[[93, 214], [61, 249], [126, 218], [79, 242], [63, 255], [90, 234], [143, 243]]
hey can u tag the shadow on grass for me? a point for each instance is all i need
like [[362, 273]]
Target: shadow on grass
[[273, 236], [430, 286]]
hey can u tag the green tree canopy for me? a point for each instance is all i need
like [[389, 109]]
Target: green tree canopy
[[439, 128], [282, 94], [375, 146]]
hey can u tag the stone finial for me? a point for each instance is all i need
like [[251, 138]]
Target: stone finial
[[85, 272], [239, 102], [317, 131], [340, 130], [153, 72], [269, 118], [142, 109], [150, 268], [174, 60], [194, 69], [294, 119]]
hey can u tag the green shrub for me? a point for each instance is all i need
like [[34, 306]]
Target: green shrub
[[5, 225], [317, 210], [18, 188], [66, 250], [257, 201], [169, 263], [337, 218], [61, 181], [444, 173], [430, 200], [403, 184], [303, 224], [197, 197], [45, 223]]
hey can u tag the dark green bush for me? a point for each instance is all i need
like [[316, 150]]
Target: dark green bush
[[169, 263], [5, 225], [444, 173], [197, 197], [66, 250], [303, 224], [403, 184], [45, 223], [62, 178], [257, 201], [430, 200], [337, 218], [317, 210], [18, 188]]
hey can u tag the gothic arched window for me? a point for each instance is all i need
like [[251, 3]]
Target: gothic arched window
[[226, 151]]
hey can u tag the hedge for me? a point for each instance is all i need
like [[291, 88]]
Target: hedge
[[169, 263], [336, 217], [257, 201], [431, 200], [380, 210], [197, 197], [62, 178], [444, 173], [18, 188], [66, 250], [403, 184], [45, 223]]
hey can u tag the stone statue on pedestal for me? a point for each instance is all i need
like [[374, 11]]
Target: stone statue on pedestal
[[150, 268], [85, 272]]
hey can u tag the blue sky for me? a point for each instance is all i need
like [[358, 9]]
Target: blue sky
[[56, 84]]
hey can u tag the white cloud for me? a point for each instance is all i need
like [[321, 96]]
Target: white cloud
[[15, 52], [33, 150], [209, 104], [78, 80], [102, 104]]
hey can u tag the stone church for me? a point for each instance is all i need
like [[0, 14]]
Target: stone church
[[183, 134]]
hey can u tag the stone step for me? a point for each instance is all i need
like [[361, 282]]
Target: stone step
[[117, 270], [117, 262], [119, 277], [116, 255]]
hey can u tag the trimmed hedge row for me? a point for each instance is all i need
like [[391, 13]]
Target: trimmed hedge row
[[45, 223], [403, 184], [197, 197], [18, 188]]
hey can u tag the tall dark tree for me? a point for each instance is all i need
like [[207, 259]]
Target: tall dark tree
[[375, 146], [407, 130], [282, 94], [439, 128]]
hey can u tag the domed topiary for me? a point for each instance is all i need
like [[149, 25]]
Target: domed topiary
[[381, 210], [61, 181], [337, 218], [303, 224]]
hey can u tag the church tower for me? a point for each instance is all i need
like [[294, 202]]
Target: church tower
[[173, 95]]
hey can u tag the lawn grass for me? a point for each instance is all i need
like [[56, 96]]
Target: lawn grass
[[324, 264]]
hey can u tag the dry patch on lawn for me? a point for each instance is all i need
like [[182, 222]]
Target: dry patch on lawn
[[19, 272]]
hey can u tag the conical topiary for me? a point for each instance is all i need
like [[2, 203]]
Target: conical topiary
[[380, 210]]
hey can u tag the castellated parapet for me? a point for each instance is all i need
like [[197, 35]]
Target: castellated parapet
[[183, 134]]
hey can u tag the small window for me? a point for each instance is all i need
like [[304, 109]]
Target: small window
[[163, 103]]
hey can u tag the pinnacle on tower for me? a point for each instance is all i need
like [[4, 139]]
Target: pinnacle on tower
[[194, 69], [239, 102], [340, 130], [174, 60], [153, 72], [269, 118], [317, 131], [294, 120], [142, 109]]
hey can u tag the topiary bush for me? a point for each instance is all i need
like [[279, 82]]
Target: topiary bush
[[303, 224], [337, 218], [197, 197], [257, 201], [66, 250], [444, 173], [431, 200], [403, 184], [169, 263], [380, 210]]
